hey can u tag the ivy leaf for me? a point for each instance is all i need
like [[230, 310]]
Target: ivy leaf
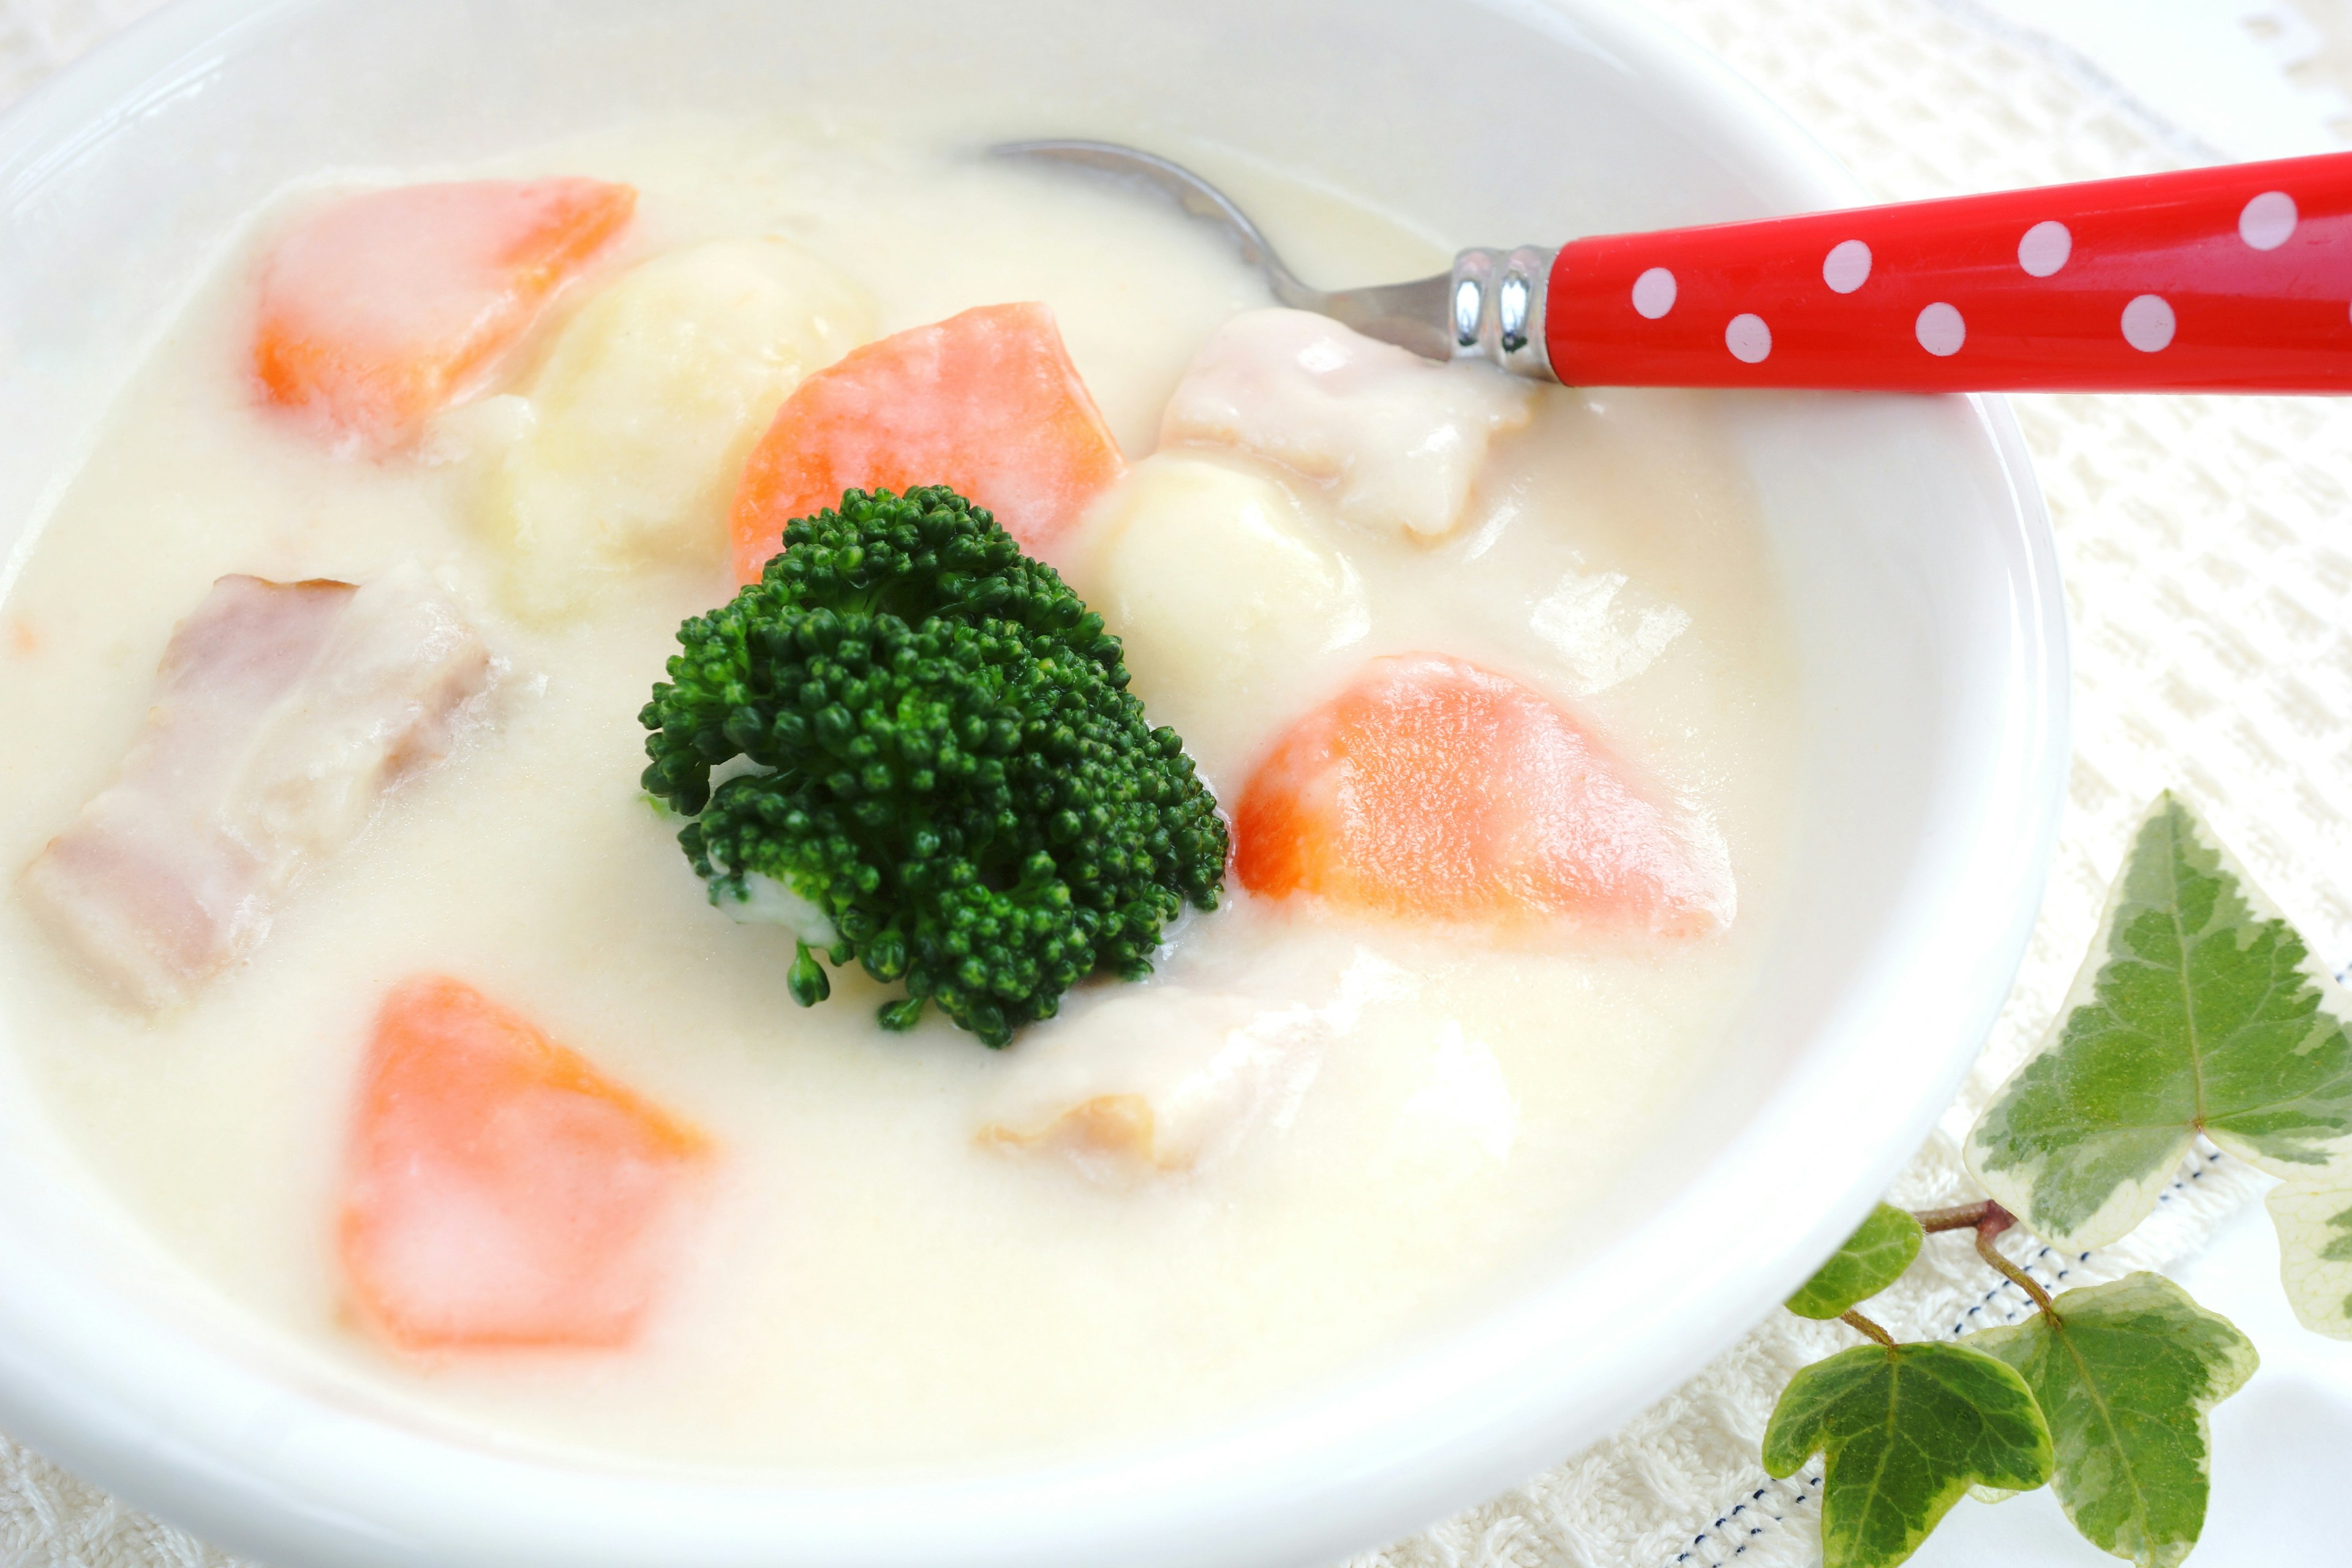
[[2314, 1232], [2198, 1010], [2124, 1374], [1904, 1431], [1872, 1257]]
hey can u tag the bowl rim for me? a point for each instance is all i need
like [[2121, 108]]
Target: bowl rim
[[86, 1379]]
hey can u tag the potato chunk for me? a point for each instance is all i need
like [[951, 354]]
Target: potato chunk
[[1397, 439], [644, 411], [1216, 580]]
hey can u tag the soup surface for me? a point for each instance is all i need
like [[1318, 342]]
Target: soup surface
[[872, 1279]]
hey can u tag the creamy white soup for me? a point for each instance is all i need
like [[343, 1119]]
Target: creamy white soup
[[1327, 1119]]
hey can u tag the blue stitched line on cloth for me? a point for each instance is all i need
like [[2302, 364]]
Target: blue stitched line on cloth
[[1753, 1497]]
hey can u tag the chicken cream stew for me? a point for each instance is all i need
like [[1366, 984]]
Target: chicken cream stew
[[1207, 837]]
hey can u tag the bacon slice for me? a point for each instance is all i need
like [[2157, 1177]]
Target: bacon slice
[[283, 713], [499, 1190], [1433, 789], [384, 307]]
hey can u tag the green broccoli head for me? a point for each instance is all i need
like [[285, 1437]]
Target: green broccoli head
[[942, 776]]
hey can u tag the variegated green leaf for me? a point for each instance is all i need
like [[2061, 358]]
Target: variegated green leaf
[[1903, 1431], [2124, 1374], [2314, 1232], [2198, 1010], [1872, 1257]]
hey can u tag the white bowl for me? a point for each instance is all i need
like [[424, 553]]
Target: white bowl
[[1910, 533]]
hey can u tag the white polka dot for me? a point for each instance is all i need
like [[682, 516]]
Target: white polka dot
[[1747, 338], [2147, 323], [1940, 330], [1847, 265], [2267, 221], [2045, 247], [1654, 292]]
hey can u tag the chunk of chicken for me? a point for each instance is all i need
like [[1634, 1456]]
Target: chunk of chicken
[[1398, 439], [1155, 1084], [283, 713]]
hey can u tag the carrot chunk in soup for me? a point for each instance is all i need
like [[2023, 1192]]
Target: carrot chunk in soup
[[385, 306], [987, 402], [501, 1191], [1432, 789]]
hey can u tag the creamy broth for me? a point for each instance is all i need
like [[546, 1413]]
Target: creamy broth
[[870, 1285]]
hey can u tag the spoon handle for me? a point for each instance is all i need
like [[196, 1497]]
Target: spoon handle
[[2236, 279]]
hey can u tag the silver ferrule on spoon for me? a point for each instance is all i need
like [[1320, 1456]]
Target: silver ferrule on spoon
[[1496, 301]]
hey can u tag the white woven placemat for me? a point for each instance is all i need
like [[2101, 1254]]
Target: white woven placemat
[[2207, 544]]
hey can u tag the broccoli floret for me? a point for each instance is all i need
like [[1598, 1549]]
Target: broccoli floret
[[945, 777]]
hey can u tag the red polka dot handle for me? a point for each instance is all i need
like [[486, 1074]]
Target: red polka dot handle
[[2236, 279]]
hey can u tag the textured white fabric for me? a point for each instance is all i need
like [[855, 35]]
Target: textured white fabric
[[2207, 545]]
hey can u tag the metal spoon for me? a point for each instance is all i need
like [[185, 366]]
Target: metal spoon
[[2235, 278], [1490, 306]]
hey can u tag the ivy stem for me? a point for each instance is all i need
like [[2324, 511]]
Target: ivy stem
[[1960, 1217], [1995, 1220], [1857, 1320]]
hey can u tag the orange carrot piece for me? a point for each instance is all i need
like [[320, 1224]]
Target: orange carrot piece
[[987, 402], [500, 1190], [383, 308], [1432, 789]]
